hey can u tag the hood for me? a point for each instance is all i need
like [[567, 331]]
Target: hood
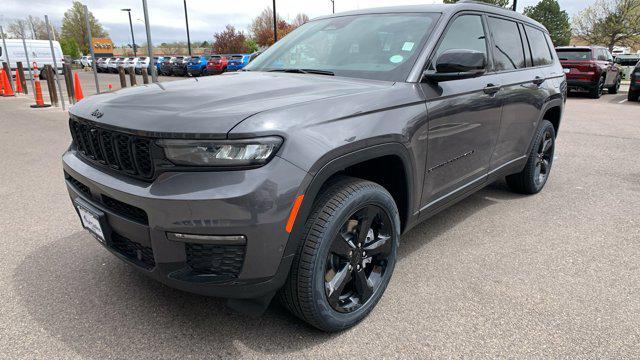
[[211, 106]]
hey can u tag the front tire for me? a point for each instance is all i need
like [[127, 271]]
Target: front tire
[[536, 172], [346, 256], [614, 89]]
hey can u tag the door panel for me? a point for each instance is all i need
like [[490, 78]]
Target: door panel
[[464, 116], [523, 93], [522, 101], [463, 129]]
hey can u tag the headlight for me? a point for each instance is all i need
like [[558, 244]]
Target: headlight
[[244, 152]]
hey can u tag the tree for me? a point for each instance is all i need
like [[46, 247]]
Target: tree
[[300, 20], [70, 47], [609, 23], [502, 3], [262, 26], [177, 47], [74, 26], [31, 27], [229, 41], [37, 27], [205, 44], [548, 13], [252, 45]]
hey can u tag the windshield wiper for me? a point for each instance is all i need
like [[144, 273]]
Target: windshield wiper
[[303, 71]]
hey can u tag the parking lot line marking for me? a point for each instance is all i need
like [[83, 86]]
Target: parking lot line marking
[[621, 101]]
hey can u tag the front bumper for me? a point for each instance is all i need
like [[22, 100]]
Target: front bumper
[[179, 70], [254, 203]]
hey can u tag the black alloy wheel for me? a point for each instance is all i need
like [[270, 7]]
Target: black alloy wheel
[[345, 255], [544, 158], [536, 171], [358, 258]]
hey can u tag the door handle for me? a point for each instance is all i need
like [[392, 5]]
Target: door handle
[[538, 80], [491, 89]]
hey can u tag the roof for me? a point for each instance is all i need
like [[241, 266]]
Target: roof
[[445, 9]]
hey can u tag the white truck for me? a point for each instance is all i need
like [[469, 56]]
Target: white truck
[[39, 51]]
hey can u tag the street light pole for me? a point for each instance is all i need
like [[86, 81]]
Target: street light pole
[[333, 6], [515, 5], [133, 39], [275, 23], [186, 20]]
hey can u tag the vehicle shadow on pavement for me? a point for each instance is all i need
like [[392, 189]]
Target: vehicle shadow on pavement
[[447, 219], [83, 296]]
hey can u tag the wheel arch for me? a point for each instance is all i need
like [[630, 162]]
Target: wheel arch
[[355, 164]]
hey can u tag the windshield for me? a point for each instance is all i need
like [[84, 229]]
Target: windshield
[[375, 46], [574, 54]]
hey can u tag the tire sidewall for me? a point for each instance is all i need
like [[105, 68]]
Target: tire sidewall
[[331, 318], [545, 125]]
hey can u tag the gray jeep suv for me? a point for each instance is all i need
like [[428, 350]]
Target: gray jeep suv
[[297, 176]]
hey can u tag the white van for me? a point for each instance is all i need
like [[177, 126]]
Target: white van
[[39, 52]]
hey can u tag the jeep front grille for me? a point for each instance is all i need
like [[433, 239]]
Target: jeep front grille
[[127, 154]]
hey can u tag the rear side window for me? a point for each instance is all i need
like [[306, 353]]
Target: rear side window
[[539, 47], [466, 32], [508, 52], [576, 55]]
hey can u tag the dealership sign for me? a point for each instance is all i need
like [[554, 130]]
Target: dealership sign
[[103, 46]]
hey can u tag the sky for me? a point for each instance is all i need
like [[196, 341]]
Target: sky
[[206, 17]]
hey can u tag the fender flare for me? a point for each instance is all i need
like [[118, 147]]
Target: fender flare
[[313, 182]]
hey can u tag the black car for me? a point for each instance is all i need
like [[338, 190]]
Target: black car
[[166, 66], [296, 178], [634, 85], [179, 66]]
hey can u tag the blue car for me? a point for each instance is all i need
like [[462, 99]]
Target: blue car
[[157, 61], [197, 65], [238, 61]]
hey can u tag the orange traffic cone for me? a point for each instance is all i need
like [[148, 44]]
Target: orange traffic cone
[[77, 87], [8, 90], [18, 82], [1, 83], [39, 100]]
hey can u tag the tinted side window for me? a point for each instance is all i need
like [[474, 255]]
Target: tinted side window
[[508, 52], [466, 32], [539, 48]]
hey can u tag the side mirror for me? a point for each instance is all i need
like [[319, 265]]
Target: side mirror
[[457, 64]]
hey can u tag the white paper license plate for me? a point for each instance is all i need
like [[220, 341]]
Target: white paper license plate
[[566, 71], [91, 223]]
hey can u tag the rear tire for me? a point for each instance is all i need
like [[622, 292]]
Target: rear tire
[[346, 256], [633, 95], [536, 172], [596, 92]]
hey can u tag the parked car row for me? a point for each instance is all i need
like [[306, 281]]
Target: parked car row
[[198, 65]]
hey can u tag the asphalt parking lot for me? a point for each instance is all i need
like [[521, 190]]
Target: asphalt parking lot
[[497, 275]]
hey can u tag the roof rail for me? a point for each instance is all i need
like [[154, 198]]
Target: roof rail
[[480, 3]]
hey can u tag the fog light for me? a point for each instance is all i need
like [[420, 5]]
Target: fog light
[[208, 239]]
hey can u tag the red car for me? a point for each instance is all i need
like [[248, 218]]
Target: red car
[[590, 68], [217, 64]]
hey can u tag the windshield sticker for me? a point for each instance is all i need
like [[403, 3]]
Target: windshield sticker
[[408, 46], [396, 59]]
